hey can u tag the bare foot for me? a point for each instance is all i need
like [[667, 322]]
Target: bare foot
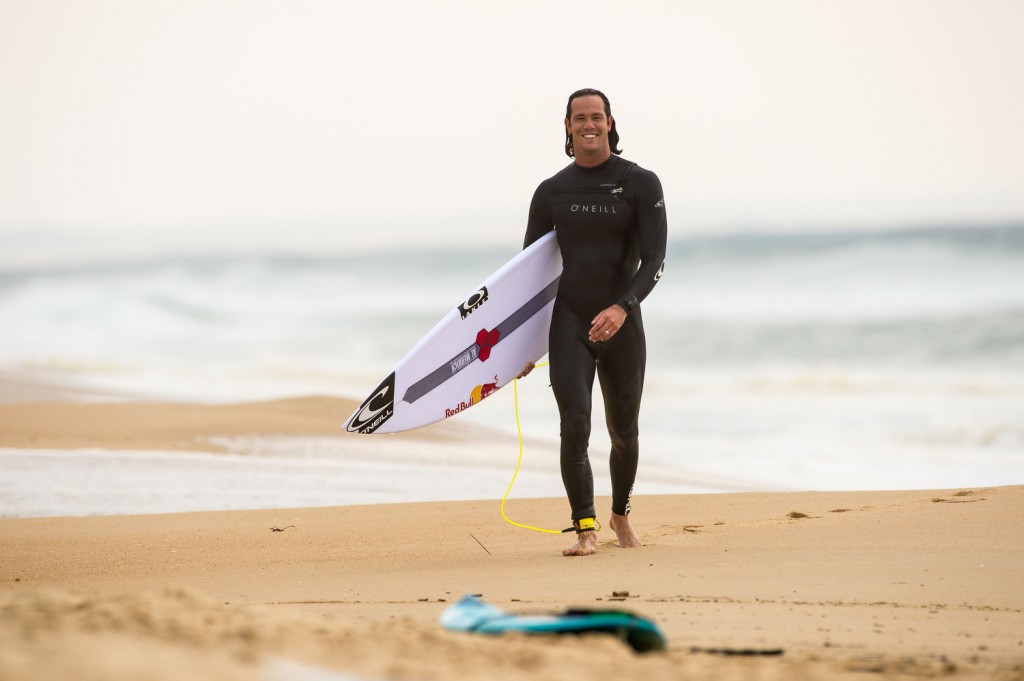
[[586, 544], [628, 538]]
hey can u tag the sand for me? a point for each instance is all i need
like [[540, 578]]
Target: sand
[[851, 585], [181, 426]]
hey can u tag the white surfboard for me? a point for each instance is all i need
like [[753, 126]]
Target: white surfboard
[[478, 347]]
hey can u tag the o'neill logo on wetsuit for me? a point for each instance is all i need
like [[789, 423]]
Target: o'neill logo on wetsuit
[[377, 408], [581, 208], [473, 302]]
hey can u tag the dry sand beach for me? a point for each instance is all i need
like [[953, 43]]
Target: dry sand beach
[[894, 585]]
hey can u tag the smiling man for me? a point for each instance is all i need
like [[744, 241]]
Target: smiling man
[[609, 218]]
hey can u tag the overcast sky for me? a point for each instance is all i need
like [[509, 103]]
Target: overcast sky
[[436, 120]]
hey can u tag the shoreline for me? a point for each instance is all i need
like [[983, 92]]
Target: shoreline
[[88, 458]]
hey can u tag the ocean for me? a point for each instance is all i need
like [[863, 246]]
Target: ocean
[[825, 360]]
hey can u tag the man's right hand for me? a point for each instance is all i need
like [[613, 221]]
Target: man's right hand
[[526, 370]]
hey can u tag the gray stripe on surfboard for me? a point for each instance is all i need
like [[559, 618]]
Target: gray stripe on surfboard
[[463, 359]]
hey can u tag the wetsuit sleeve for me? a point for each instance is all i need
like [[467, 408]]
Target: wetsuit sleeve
[[539, 223], [652, 226]]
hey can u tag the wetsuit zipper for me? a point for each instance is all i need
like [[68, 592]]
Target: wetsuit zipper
[[587, 190]]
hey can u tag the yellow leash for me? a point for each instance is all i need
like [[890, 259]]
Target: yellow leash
[[519, 430]]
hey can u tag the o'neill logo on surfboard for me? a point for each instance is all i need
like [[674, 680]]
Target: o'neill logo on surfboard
[[473, 302], [377, 408]]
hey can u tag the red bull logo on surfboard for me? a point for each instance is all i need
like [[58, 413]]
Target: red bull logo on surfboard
[[485, 390], [478, 393]]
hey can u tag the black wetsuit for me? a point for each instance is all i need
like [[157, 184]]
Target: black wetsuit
[[611, 228]]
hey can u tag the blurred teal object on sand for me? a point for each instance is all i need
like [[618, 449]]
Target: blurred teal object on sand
[[471, 614]]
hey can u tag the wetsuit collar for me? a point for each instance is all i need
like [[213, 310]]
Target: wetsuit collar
[[598, 169]]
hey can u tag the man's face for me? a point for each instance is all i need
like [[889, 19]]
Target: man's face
[[589, 128]]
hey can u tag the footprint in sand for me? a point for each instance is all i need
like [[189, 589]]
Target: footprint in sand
[[959, 500]]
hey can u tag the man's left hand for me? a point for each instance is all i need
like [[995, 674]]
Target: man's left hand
[[607, 323]]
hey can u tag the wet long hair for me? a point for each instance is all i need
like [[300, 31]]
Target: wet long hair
[[613, 134]]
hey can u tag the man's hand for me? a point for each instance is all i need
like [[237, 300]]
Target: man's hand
[[526, 370], [606, 324]]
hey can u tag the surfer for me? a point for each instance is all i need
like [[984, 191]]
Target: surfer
[[609, 218]]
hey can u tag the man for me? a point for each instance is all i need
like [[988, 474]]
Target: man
[[609, 217]]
